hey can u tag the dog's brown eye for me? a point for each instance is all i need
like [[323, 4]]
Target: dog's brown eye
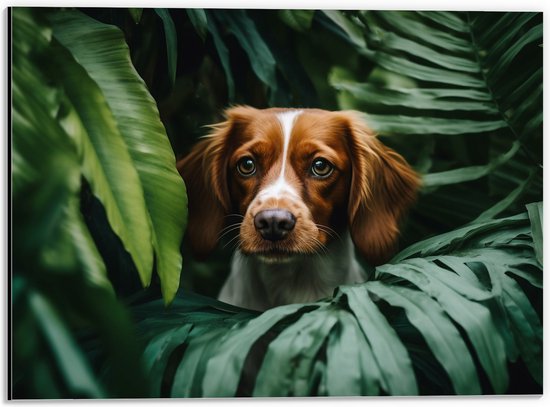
[[246, 166], [321, 168]]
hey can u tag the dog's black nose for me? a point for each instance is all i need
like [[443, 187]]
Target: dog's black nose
[[274, 224]]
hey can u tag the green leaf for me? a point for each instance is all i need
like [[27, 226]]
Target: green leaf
[[171, 41], [472, 316], [508, 200], [468, 173], [393, 42], [390, 353], [136, 14], [198, 18], [223, 54], [157, 354], [390, 124], [291, 355], [190, 373], [439, 332], [407, 24], [299, 20], [446, 19], [226, 364], [440, 99], [76, 369], [404, 66], [352, 31], [351, 368], [535, 216], [143, 133], [114, 182], [244, 29], [533, 35], [456, 238]]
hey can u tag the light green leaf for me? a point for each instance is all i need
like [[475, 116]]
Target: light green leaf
[[106, 163], [143, 133]]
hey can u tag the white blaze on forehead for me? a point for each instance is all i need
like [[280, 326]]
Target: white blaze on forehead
[[280, 186]]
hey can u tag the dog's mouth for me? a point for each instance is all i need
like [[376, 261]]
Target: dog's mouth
[[276, 256]]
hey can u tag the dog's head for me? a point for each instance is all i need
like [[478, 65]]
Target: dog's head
[[296, 178]]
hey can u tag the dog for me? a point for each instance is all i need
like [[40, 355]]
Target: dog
[[308, 187]]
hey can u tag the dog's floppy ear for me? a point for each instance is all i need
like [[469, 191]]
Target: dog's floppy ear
[[383, 187], [204, 171]]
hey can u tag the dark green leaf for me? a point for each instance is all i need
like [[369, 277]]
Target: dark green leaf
[[299, 20], [199, 20], [136, 14], [244, 29], [438, 331], [351, 366], [76, 369], [535, 217], [291, 355], [390, 354], [472, 316], [223, 54], [225, 366], [171, 41]]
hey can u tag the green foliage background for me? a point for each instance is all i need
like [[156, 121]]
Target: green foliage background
[[105, 99]]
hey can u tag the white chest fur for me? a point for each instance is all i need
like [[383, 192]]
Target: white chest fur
[[257, 285]]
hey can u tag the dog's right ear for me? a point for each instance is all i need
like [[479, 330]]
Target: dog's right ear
[[204, 171]]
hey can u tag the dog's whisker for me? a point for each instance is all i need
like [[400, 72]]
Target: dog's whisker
[[237, 215], [329, 231], [229, 229], [231, 240]]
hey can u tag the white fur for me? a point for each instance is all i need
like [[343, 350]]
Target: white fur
[[257, 285], [281, 187]]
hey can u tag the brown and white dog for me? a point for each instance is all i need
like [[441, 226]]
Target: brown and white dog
[[307, 187]]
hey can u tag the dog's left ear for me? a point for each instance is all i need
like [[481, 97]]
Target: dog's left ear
[[383, 187]]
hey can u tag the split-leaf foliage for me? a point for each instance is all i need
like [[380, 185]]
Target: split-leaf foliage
[[98, 209]]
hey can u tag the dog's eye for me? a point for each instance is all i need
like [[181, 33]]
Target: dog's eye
[[321, 168], [246, 166]]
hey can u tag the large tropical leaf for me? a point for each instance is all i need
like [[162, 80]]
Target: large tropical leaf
[[460, 79], [143, 135], [66, 128], [466, 315]]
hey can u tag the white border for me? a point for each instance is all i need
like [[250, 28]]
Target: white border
[[474, 5]]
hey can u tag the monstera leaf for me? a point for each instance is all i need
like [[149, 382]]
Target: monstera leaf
[[445, 313], [468, 86]]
